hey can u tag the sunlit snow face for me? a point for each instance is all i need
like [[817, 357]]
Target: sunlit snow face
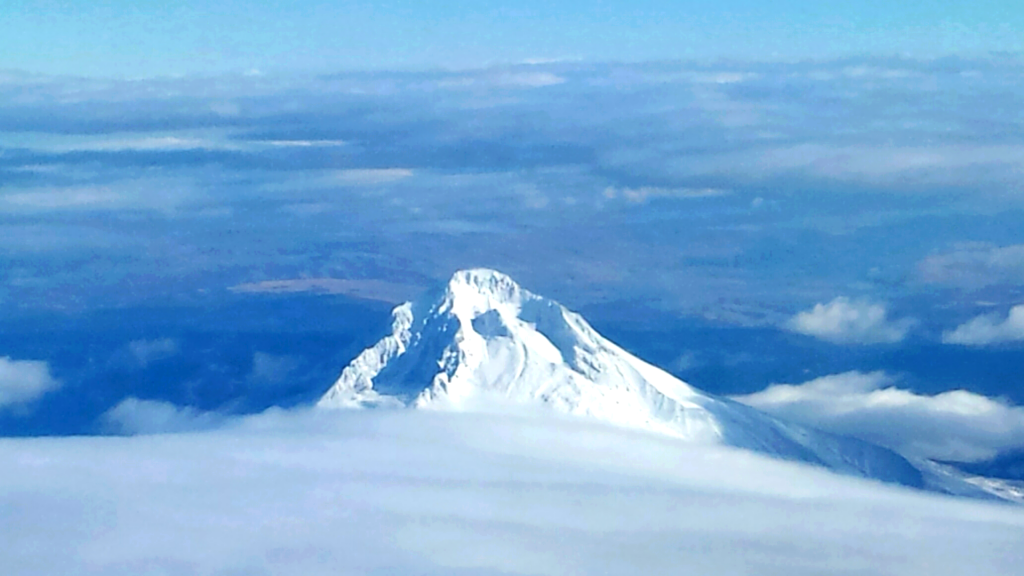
[[406, 492]]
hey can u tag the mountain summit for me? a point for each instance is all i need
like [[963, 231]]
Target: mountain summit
[[484, 341]]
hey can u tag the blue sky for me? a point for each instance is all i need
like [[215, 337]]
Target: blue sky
[[148, 38]]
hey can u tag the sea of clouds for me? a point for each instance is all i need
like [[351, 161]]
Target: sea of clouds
[[424, 493]]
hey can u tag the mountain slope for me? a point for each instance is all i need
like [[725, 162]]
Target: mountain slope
[[483, 341]]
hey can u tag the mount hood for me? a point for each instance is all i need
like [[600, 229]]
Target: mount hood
[[483, 341]]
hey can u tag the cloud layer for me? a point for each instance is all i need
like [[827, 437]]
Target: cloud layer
[[24, 381], [383, 492], [975, 265], [956, 425], [846, 321], [691, 185], [368, 289]]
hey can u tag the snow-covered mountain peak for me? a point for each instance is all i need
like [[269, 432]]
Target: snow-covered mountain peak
[[483, 342], [483, 289], [478, 291]]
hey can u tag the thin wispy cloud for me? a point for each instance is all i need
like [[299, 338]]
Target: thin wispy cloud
[[975, 265], [152, 193], [64, 198], [503, 79], [371, 176], [645, 193], [369, 289], [146, 352], [301, 143], [943, 165], [271, 369]]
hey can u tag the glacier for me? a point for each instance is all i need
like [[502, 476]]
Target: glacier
[[484, 343]]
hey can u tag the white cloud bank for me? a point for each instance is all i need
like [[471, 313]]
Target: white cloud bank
[[846, 321], [956, 425], [136, 416], [989, 329], [24, 381], [429, 494]]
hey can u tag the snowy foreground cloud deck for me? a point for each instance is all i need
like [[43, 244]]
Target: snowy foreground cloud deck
[[483, 343], [386, 492]]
